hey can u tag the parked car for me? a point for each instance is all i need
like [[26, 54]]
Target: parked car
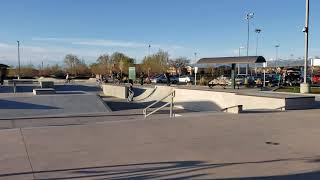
[[162, 79], [158, 79], [186, 79], [240, 79], [220, 81], [316, 79]]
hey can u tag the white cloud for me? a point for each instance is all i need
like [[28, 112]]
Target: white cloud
[[52, 50], [110, 43], [105, 43]]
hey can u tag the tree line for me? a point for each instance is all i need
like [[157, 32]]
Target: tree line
[[159, 62]]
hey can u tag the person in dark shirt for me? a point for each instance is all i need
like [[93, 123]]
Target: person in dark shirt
[[141, 78]]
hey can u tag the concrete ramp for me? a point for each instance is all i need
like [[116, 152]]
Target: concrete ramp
[[159, 93], [146, 94]]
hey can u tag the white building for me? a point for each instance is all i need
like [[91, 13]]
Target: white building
[[315, 62]]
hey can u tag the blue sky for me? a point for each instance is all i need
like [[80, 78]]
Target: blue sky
[[48, 30]]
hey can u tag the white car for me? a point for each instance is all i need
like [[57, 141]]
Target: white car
[[186, 79]]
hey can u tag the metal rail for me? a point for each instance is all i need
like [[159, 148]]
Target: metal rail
[[171, 95]]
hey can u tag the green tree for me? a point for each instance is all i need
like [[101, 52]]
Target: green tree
[[121, 62]]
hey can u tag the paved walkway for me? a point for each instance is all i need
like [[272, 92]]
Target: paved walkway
[[206, 146]]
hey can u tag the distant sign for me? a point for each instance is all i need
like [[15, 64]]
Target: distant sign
[[132, 73], [196, 70]]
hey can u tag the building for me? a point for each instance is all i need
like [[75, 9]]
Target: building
[[315, 62]]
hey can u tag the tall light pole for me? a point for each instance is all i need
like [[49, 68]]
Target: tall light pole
[[277, 49], [149, 46], [195, 58], [258, 31], [248, 17], [241, 47], [18, 59], [305, 87]]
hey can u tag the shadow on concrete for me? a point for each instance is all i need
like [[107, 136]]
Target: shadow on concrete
[[6, 104], [70, 92], [253, 111], [76, 87], [200, 106], [120, 105], [21, 88], [138, 91], [163, 170]]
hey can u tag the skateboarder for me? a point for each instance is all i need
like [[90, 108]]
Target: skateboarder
[[130, 91]]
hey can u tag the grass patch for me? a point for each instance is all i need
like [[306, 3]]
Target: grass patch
[[314, 90]]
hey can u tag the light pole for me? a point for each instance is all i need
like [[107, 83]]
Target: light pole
[[241, 47], [277, 49], [258, 31], [18, 59], [149, 46], [248, 17], [305, 87]]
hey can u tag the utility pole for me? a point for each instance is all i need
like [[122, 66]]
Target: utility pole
[[248, 17], [18, 59], [277, 49], [305, 87], [241, 47], [258, 31], [42, 68]]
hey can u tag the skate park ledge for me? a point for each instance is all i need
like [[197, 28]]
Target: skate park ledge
[[211, 100]]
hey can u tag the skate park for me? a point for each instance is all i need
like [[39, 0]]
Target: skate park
[[82, 130]]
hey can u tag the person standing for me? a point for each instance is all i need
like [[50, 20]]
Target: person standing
[[167, 75], [2, 76], [67, 78], [141, 78], [130, 91]]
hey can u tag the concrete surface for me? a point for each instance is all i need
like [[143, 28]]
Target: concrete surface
[[305, 88], [13, 157], [42, 91], [207, 146], [200, 99], [141, 94], [13, 107], [46, 84], [118, 91]]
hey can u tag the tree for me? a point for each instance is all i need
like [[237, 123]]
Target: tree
[[124, 64], [102, 66], [54, 70], [121, 62], [72, 62], [156, 63], [179, 63]]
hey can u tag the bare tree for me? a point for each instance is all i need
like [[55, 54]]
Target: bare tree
[[72, 61], [179, 63]]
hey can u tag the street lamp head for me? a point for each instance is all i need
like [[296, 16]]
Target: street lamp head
[[249, 16], [277, 46], [258, 30]]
